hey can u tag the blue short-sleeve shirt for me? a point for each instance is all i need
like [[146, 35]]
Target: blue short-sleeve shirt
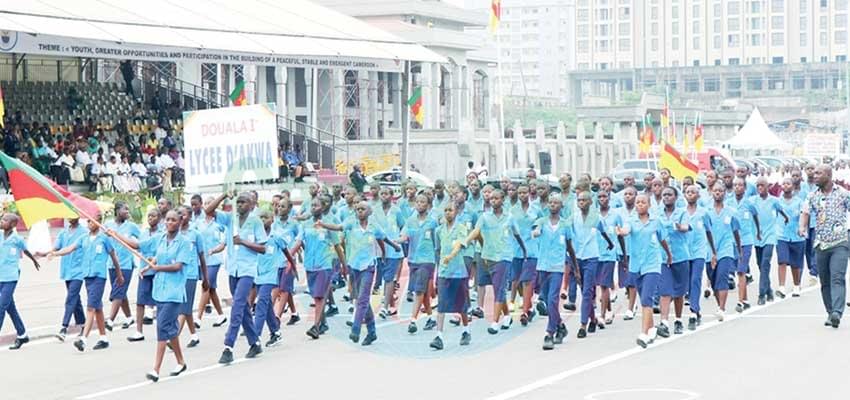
[[553, 244], [319, 251], [71, 265], [361, 244], [723, 225], [96, 249], [127, 229], [447, 237], [11, 248], [272, 260], [192, 269], [242, 261], [644, 245], [212, 234], [420, 233], [171, 286], [678, 241]]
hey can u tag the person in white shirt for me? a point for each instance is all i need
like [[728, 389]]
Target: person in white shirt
[[102, 177], [166, 165], [159, 133]]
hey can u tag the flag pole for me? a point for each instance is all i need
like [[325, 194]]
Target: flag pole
[[500, 93], [112, 234]]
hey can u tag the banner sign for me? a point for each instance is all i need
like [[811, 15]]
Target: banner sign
[[60, 46], [230, 145], [821, 144]]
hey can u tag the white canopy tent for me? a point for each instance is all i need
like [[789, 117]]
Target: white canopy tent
[[755, 135], [294, 33]]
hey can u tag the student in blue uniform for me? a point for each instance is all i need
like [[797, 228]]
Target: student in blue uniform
[[268, 279], [523, 270], [290, 231], [118, 294], [626, 279], [699, 239], [194, 271], [212, 234], [11, 248], [173, 253], [245, 240], [320, 246], [554, 235], [790, 246], [724, 231], [646, 240], [147, 243], [97, 250], [768, 209], [611, 220], [675, 276], [418, 232], [452, 275], [587, 230], [71, 271], [391, 219], [495, 228], [807, 187], [747, 215]]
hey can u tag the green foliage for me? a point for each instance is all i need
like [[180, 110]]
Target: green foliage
[[548, 114]]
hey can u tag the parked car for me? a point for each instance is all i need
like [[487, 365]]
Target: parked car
[[773, 162], [637, 173], [638, 163], [519, 175], [392, 178]]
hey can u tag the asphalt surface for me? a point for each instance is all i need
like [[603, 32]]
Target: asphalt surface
[[779, 351]]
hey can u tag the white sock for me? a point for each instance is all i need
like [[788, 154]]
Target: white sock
[[194, 336], [665, 322], [440, 334], [228, 348], [22, 336], [466, 329], [103, 338]]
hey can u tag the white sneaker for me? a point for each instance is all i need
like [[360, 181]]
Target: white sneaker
[[109, 324], [796, 292], [511, 307], [653, 334], [613, 296], [629, 315], [507, 321], [221, 319], [720, 314]]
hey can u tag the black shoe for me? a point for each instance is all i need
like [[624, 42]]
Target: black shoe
[[226, 357], [465, 339], [749, 279], [563, 296], [492, 330], [706, 293], [592, 327], [152, 377], [411, 328], [582, 333], [345, 298], [208, 309], [779, 294], [560, 334], [731, 283], [293, 320], [663, 330], [827, 323], [429, 324], [569, 306], [369, 339], [436, 344], [355, 337], [197, 325], [313, 332], [19, 342], [193, 343], [254, 351], [835, 319], [129, 323], [678, 328], [409, 297], [541, 309], [331, 311], [739, 308], [600, 325], [642, 343], [523, 319], [692, 324], [477, 313], [80, 345], [323, 328], [761, 300], [108, 326], [656, 309], [349, 323], [376, 291], [455, 321], [770, 297], [180, 371], [147, 321], [217, 324], [274, 340], [62, 334], [548, 343], [100, 345]]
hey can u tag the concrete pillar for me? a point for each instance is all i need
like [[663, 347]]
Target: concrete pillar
[[521, 156], [281, 75], [497, 151], [539, 142], [250, 74], [559, 163], [581, 155], [337, 102], [364, 111]]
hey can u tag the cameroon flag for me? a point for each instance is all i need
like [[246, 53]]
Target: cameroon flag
[[237, 96], [35, 197], [415, 103], [2, 110], [679, 165]]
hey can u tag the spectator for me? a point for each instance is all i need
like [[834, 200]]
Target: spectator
[[101, 178], [470, 168], [357, 178], [159, 132], [139, 113], [165, 164], [294, 162], [168, 141], [11, 142], [73, 100], [42, 156], [129, 73], [60, 170]]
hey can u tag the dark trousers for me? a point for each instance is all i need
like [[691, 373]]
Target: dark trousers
[[832, 268]]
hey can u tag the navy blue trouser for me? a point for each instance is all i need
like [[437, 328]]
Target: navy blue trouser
[[73, 305], [240, 314]]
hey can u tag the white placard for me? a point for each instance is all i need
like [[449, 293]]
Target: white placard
[[821, 144]]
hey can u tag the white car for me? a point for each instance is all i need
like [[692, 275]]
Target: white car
[[392, 178]]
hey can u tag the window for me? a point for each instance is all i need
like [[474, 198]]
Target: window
[[696, 42], [777, 22], [582, 15], [755, 7], [695, 13], [654, 46], [733, 40], [734, 61], [777, 6], [583, 46], [602, 14], [804, 6], [824, 4], [841, 58], [624, 12], [733, 8], [733, 25], [840, 5], [718, 42], [602, 45], [823, 22], [624, 28], [823, 38], [777, 39], [696, 27], [675, 27], [756, 24], [824, 59], [804, 23], [804, 39], [777, 60], [582, 31], [718, 9], [840, 21], [654, 29], [602, 30], [755, 40], [674, 11], [803, 60], [717, 62], [717, 26], [840, 37], [624, 44], [654, 13], [696, 63], [674, 44]]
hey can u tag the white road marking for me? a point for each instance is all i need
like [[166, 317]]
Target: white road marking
[[550, 380], [783, 316], [601, 395]]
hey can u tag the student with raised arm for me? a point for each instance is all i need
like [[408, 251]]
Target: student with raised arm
[[12, 246], [212, 234]]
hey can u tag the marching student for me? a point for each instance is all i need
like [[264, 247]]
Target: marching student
[[699, 237], [246, 239], [724, 228], [626, 279], [96, 248], [275, 257], [290, 231], [418, 232], [791, 246], [587, 228], [194, 270], [320, 247], [495, 228], [611, 220], [747, 215], [646, 240], [11, 248], [391, 219], [452, 275], [555, 236], [212, 234], [118, 293], [522, 272], [71, 271], [674, 276], [173, 253], [767, 208]]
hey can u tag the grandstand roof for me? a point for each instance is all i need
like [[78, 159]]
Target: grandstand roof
[[265, 32]]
